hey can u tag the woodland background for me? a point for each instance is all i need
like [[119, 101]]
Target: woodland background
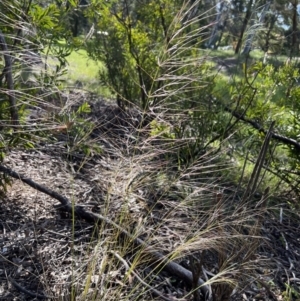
[[168, 131]]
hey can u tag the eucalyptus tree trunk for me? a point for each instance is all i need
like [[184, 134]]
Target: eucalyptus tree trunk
[[222, 31], [218, 24], [268, 35], [295, 42], [251, 34], [244, 26]]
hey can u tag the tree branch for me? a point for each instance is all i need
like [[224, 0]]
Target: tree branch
[[9, 79], [259, 127]]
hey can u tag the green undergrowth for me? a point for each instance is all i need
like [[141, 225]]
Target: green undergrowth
[[80, 72], [84, 72]]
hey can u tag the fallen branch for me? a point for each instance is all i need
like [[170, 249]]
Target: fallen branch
[[26, 292], [164, 262]]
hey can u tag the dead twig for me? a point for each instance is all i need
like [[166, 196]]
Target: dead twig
[[252, 184], [268, 289]]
